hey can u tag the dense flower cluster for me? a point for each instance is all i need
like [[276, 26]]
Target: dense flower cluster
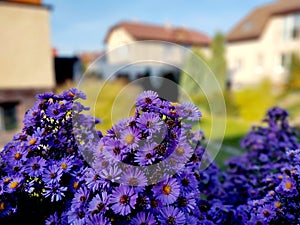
[[39, 168], [145, 170]]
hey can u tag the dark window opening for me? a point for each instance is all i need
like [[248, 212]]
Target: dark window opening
[[8, 116]]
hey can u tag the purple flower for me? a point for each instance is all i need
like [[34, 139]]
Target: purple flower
[[143, 218], [55, 191], [167, 191], [267, 212], [189, 111], [93, 180], [146, 155], [130, 137], [150, 122], [133, 177], [52, 174], [147, 98], [188, 182], [170, 215], [77, 216], [81, 197], [287, 187], [99, 203], [35, 166], [15, 182], [53, 220], [111, 174], [123, 200], [55, 111], [187, 203], [97, 219]]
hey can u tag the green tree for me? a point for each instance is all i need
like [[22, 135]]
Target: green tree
[[217, 60], [294, 76]]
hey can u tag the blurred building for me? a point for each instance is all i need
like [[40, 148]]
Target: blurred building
[[26, 63], [126, 33], [260, 45], [152, 52]]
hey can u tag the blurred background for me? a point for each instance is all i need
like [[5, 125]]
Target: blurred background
[[251, 48]]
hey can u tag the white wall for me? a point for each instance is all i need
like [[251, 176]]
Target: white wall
[[251, 61], [25, 49]]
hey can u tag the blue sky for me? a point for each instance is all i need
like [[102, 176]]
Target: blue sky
[[78, 26]]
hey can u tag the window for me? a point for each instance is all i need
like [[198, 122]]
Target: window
[[291, 27], [8, 116]]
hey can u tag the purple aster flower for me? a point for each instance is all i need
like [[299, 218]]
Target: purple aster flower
[[66, 164], [35, 166], [170, 215], [150, 122], [99, 203], [143, 218], [146, 155], [52, 174], [55, 191], [97, 219], [73, 93], [287, 187], [267, 212], [93, 180], [133, 177], [81, 197], [55, 111], [113, 150], [147, 98], [123, 200], [111, 174], [15, 182], [188, 182], [53, 220], [16, 154], [130, 137], [183, 151], [189, 111], [187, 203], [167, 191], [77, 216]]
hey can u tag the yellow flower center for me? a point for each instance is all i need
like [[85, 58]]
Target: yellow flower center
[[129, 139], [166, 189], [7, 179], [17, 156], [64, 166], [32, 141], [288, 185], [174, 104], [179, 151], [280, 176], [14, 184], [277, 204], [2, 206]]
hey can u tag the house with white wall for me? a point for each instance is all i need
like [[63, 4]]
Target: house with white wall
[[129, 42], [260, 45]]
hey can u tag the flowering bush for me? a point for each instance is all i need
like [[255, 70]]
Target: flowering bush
[[40, 168], [145, 170]]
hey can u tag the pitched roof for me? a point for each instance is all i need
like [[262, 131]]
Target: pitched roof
[[179, 35], [252, 26]]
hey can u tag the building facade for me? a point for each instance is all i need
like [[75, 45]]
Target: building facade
[[26, 63], [260, 46]]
